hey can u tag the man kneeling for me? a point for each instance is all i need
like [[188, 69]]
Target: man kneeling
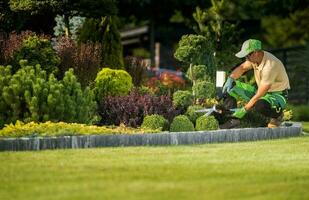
[[272, 80]]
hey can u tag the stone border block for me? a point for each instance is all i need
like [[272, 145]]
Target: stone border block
[[152, 139]]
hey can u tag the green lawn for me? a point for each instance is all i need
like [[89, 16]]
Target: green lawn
[[277, 169]]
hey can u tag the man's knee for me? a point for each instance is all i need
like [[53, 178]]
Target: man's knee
[[262, 106]]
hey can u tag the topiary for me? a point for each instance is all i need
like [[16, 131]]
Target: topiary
[[197, 73], [110, 82], [182, 99], [181, 123], [37, 51], [155, 122], [197, 50], [203, 90], [192, 115], [206, 123]]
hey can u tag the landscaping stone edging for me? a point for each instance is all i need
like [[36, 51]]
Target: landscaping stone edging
[[154, 139]]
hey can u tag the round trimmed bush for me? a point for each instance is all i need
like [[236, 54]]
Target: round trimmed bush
[[155, 122], [204, 89], [111, 82], [182, 99], [192, 115], [181, 123], [206, 123]]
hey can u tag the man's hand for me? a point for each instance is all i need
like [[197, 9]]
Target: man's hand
[[240, 113], [228, 85]]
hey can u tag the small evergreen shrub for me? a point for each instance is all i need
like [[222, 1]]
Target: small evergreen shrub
[[181, 123], [204, 90], [192, 115], [38, 51], [155, 122], [182, 99], [110, 82], [31, 95], [206, 123]]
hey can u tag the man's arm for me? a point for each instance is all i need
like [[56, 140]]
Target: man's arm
[[262, 90], [240, 70]]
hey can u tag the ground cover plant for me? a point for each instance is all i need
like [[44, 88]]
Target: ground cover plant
[[275, 169], [47, 129]]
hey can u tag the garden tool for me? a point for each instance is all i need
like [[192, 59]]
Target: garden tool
[[215, 109], [209, 111]]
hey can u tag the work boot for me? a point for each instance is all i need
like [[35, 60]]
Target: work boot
[[275, 122]]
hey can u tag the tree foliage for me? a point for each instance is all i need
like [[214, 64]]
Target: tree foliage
[[287, 31], [213, 24], [105, 31]]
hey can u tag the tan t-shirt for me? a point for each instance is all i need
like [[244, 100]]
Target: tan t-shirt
[[271, 71]]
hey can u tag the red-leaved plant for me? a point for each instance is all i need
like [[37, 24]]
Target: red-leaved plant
[[131, 109], [13, 43], [84, 58]]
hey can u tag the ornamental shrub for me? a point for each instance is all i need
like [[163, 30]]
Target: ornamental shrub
[[13, 43], [37, 51], [85, 58], [182, 99], [137, 68], [31, 95], [181, 123], [155, 122], [131, 109], [204, 90], [206, 123], [110, 82], [192, 115], [197, 50]]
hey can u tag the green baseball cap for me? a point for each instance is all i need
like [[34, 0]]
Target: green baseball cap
[[249, 46]]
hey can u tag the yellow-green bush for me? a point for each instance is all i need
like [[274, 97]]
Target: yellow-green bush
[[182, 99], [181, 123], [206, 123], [20, 129], [111, 82], [155, 122]]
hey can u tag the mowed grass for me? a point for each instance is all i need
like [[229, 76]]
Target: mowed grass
[[275, 169]]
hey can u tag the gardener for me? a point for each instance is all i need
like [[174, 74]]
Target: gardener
[[272, 81]]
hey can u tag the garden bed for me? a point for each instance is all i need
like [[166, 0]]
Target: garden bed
[[157, 139]]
